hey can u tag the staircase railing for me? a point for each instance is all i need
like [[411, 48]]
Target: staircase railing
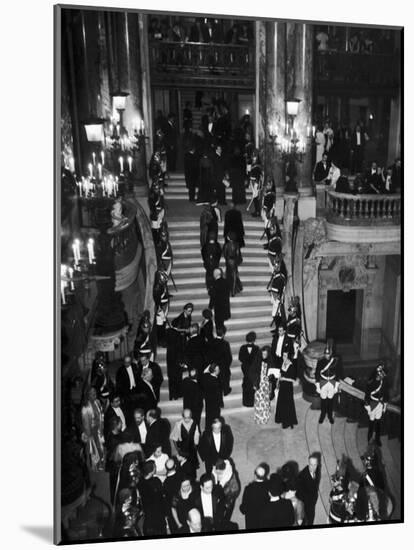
[[351, 404]]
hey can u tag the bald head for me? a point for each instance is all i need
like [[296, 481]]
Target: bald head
[[260, 473], [194, 520]]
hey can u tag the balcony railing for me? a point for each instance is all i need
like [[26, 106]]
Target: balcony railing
[[194, 56], [366, 210]]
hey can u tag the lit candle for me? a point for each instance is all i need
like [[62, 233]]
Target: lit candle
[[121, 164], [76, 251], [90, 169], [142, 125], [247, 112], [93, 159], [137, 124], [111, 129], [291, 132], [71, 164], [91, 254], [308, 131], [118, 129], [130, 163], [62, 291], [313, 131], [99, 170], [72, 285], [287, 128], [103, 158]]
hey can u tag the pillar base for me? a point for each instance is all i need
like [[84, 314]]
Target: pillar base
[[306, 207]]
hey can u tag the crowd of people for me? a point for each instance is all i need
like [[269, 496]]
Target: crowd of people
[[200, 30], [360, 40], [154, 468], [340, 162]]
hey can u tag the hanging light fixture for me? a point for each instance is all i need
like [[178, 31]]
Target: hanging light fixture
[[292, 106], [94, 129], [119, 100]]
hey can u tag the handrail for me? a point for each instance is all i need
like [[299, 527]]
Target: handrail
[[359, 394], [363, 209], [183, 43]]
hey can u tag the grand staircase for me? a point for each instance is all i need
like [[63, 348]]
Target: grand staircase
[[250, 310]]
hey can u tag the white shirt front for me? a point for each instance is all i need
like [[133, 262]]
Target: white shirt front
[[217, 440], [210, 126], [120, 414], [207, 504], [142, 428], [279, 346], [358, 136], [131, 377]]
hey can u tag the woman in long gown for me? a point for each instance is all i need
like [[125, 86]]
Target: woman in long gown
[[285, 407], [93, 428], [233, 257], [261, 385]]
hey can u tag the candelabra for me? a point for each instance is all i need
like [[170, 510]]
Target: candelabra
[[80, 269]]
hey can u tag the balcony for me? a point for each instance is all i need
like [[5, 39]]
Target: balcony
[[193, 62], [363, 218], [346, 70]]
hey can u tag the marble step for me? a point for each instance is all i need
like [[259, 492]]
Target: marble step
[[236, 311], [338, 437], [197, 262], [190, 230], [351, 445], [254, 224], [183, 279], [179, 271], [185, 293], [241, 300], [194, 241], [195, 251]]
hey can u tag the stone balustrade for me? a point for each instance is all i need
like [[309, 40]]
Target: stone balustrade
[[365, 210]]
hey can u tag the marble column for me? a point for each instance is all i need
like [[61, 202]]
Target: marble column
[[303, 81], [146, 82], [394, 139]]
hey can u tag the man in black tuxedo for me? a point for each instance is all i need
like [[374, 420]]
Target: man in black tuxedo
[[219, 172], [158, 432], [233, 223], [157, 376], [181, 325], [193, 523], [211, 254], [278, 512], [357, 148], [114, 411], [127, 383], [191, 170], [146, 394], [247, 355], [321, 171], [171, 487], [216, 442], [209, 501], [193, 395], [195, 351], [255, 498], [138, 429], [308, 487], [213, 392], [280, 343], [153, 501], [220, 298], [219, 352], [171, 142]]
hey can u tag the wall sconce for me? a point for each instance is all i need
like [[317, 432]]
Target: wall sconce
[[119, 100], [292, 107]]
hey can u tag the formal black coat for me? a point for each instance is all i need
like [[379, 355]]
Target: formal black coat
[[153, 502], [207, 449], [211, 254], [219, 352], [220, 300], [173, 358], [286, 346], [123, 382], [213, 396], [217, 505], [110, 413], [192, 398], [146, 399], [157, 379], [255, 498], [195, 354], [191, 170], [308, 490], [206, 331], [159, 434], [279, 513], [233, 223], [246, 361], [321, 171], [133, 434]]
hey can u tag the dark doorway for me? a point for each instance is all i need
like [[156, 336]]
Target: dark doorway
[[340, 318]]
